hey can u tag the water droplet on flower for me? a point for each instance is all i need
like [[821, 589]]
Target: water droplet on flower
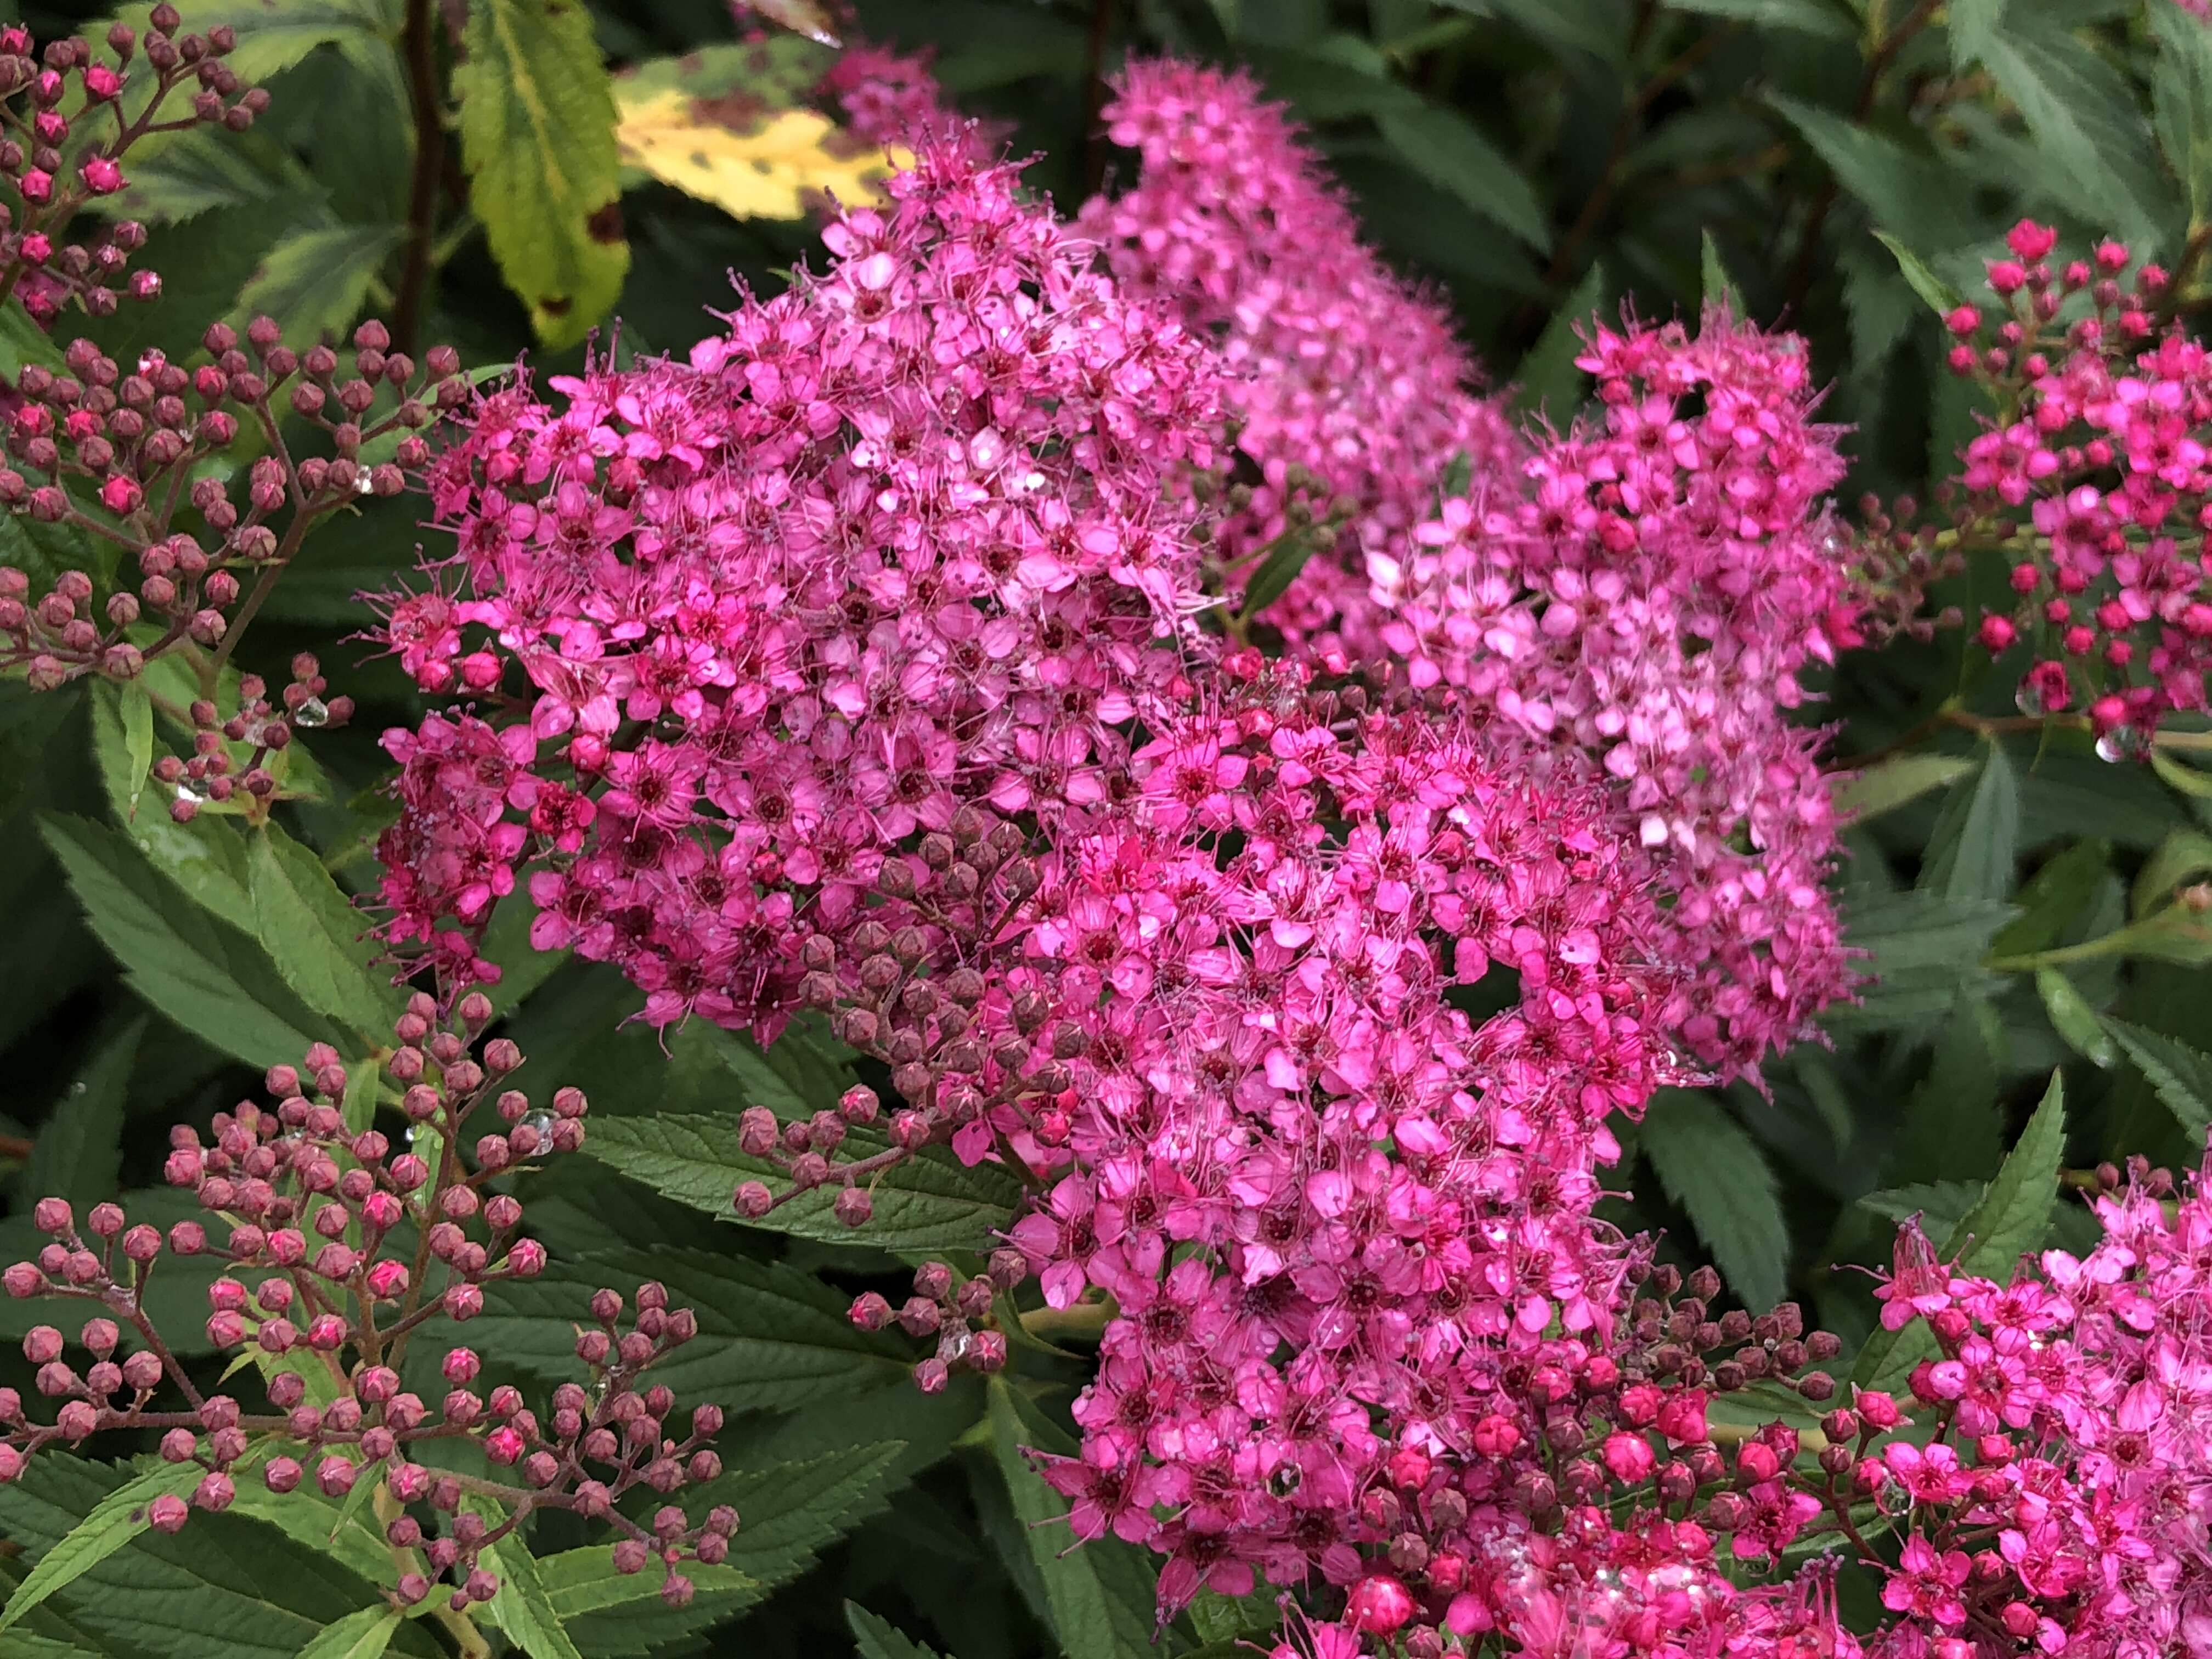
[[186, 792], [2026, 700], [540, 1123], [312, 712], [2122, 743]]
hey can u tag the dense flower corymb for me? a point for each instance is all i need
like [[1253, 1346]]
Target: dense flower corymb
[[1643, 598], [1339, 369], [902, 540]]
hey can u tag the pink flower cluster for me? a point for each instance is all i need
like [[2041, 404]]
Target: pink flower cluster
[[1643, 599], [862, 674], [1347, 381], [2097, 489], [904, 539], [2065, 1497]]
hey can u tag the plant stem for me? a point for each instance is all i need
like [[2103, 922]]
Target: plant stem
[[421, 46]]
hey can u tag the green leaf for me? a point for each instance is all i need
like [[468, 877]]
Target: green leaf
[[315, 281], [314, 935], [930, 1202], [78, 1155], [2180, 1076], [1453, 154], [770, 1337], [1943, 299], [113, 1522], [2181, 104], [137, 709], [2012, 1216], [1922, 952], [2181, 776], [582, 1582], [2181, 858], [363, 1635], [215, 982], [201, 171], [2088, 130], [1976, 836], [1717, 287], [878, 1638], [2074, 1019], [1806, 16], [1096, 1611], [1909, 193], [1952, 1125], [1549, 384], [1940, 1205], [521, 1607], [1277, 569], [1709, 1164], [538, 139], [2055, 898], [275, 35], [1890, 784], [206, 857]]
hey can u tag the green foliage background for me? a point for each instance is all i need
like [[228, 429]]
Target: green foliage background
[[1536, 161]]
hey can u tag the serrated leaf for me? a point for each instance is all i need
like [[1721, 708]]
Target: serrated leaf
[[1922, 950], [1454, 156], [315, 281], [2181, 103], [520, 1608], [2012, 1216], [878, 1638], [1952, 1125], [1708, 1164], [116, 1520], [314, 935], [2074, 1019], [273, 35], [1908, 193], [215, 982], [1940, 1205], [363, 1635], [1941, 297], [1096, 1611], [2088, 131], [930, 1202], [2180, 1075], [537, 140], [1716, 287], [582, 1582], [1890, 784], [201, 171], [1976, 840], [1548, 383], [770, 1337], [78, 1154]]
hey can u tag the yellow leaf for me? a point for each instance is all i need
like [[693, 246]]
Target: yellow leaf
[[763, 172]]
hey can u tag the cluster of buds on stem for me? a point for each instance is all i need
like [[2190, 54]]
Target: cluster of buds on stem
[[1893, 560], [959, 1312], [69, 116], [119, 456], [2093, 483], [337, 1250], [237, 764]]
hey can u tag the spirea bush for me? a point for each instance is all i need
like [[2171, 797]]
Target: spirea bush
[[1323, 829]]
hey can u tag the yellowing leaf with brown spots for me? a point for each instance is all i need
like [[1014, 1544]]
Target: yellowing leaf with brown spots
[[753, 164]]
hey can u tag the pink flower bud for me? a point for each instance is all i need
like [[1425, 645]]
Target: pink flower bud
[[387, 1280], [503, 1445], [168, 1513], [1378, 1605], [52, 1215]]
